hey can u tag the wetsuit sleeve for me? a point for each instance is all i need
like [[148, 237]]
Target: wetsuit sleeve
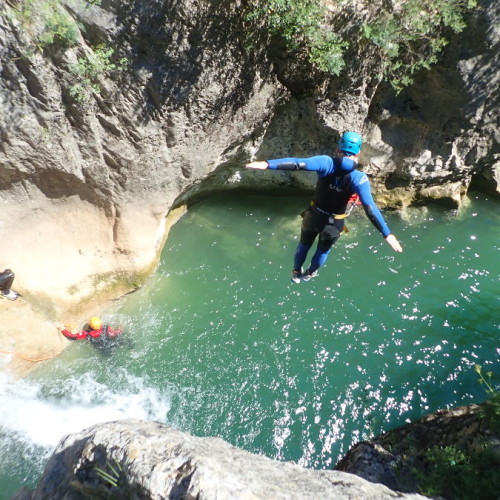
[[73, 336], [322, 164], [94, 333], [113, 333], [362, 189]]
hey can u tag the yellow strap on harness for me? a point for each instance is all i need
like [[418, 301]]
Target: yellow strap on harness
[[335, 216]]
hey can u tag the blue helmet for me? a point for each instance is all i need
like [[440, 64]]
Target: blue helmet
[[350, 143]]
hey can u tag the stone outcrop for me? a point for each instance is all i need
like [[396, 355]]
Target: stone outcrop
[[398, 458], [151, 461], [141, 459]]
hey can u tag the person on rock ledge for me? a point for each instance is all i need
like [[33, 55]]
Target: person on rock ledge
[[338, 181], [6, 280]]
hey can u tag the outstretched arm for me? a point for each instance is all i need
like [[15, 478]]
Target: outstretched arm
[[69, 334], [322, 164], [374, 214]]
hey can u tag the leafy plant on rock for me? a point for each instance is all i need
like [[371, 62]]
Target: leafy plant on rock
[[466, 472], [90, 68], [406, 35], [112, 475], [491, 409], [301, 24], [461, 474], [410, 34], [48, 23]]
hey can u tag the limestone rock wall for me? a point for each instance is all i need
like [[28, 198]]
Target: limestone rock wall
[[86, 186]]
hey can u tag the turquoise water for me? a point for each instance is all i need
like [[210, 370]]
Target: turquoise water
[[220, 343]]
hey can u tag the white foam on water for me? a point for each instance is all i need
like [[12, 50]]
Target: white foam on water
[[43, 419]]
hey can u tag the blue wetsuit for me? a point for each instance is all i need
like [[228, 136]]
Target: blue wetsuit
[[338, 180]]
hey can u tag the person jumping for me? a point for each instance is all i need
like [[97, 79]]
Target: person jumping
[[338, 180]]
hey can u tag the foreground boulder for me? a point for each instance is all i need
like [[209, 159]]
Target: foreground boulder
[[141, 459]]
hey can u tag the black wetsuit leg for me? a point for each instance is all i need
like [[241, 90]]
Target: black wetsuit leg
[[330, 234], [313, 223]]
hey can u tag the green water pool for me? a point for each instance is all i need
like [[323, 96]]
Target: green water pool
[[219, 342]]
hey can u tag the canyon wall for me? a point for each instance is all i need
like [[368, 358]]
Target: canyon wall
[[90, 169]]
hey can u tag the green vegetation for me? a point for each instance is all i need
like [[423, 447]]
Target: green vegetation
[[47, 22], [466, 473], [60, 28], [90, 68], [49, 25], [461, 474], [301, 24], [491, 411], [410, 37], [405, 36]]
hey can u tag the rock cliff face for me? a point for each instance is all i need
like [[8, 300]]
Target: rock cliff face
[[149, 460], [86, 185], [442, 133], [426, 144]]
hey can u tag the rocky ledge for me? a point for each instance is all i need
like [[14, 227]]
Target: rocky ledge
[[140, 459], [401, 458]]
